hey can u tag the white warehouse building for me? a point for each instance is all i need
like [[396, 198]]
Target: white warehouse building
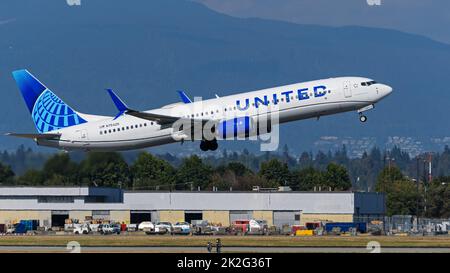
[[53, 205]]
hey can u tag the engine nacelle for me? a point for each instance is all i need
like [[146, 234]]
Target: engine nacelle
[[242, 127], [232, 128]]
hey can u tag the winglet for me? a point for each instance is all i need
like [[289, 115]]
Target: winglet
[[121, 106], [184, 97]]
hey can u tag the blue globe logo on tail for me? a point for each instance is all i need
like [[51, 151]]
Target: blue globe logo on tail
[[47, 110], [51, 113]]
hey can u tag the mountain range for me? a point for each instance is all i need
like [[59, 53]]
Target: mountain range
[[146, 50]]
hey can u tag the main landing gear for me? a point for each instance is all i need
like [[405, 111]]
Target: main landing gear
[[211, 145]]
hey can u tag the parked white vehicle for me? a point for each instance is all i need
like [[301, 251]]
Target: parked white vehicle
[[181, 228], [10, 229], [132, 227], [163, 227], [82, 229], [258, 226], [443, 228], [146, 226], [109, 229], [94, 227]]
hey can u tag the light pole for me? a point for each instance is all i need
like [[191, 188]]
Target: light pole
[[424, 186]]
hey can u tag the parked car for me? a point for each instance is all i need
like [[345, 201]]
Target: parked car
[[10, 229], [116, 228], [109, 229], [181, 228], [132, 227], [95, 227], [202, 227], [163, 227], [146, 226], [82, 229]]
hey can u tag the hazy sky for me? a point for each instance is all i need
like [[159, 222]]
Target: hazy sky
[[426, 17]]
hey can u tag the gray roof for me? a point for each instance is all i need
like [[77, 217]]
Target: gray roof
[[26, 198]]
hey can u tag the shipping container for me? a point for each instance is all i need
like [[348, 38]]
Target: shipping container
[[20, 228], [30, 224], [306, 232], [346, 226]]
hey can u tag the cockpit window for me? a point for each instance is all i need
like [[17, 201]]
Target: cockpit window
[[368, 83]]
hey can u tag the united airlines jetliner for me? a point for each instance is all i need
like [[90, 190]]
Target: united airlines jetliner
[[230, 117]]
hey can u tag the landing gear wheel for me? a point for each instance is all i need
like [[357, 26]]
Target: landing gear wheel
[[214, 145], [362, 118], [208, 145], [204, 146]]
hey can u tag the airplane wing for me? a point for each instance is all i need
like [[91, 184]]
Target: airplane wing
[[160, 119], [35, 136], [163, 119]]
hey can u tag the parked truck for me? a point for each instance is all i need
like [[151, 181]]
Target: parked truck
[[249, 227]]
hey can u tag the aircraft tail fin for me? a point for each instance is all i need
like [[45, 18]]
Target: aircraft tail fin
[[47, 110]]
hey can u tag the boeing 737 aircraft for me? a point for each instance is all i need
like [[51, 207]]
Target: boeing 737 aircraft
[[229, 117]]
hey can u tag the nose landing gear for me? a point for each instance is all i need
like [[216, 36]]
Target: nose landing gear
[[206, 145], [362, 118]]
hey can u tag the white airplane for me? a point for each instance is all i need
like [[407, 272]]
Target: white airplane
[[229, 117]]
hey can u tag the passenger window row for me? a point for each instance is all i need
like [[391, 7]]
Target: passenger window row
[[124, 128]]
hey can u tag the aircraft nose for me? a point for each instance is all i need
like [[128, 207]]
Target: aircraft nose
[[386, 90]]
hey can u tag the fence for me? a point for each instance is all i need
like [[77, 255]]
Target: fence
[[409, 224]]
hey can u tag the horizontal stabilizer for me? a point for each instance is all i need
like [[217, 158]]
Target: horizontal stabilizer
[[35, 136]]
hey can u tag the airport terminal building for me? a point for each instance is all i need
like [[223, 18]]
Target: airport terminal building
[[53, 205]]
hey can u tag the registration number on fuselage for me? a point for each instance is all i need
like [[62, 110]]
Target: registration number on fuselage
[[109, 125]]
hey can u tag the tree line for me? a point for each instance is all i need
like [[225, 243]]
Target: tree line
[[407, 196], [152, 173], [363, 171]]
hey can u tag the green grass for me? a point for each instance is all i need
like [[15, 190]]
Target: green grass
[[260, 241]]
